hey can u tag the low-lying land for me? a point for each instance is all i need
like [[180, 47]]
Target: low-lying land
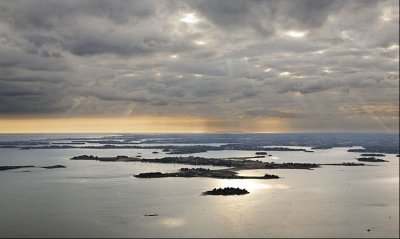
[[226, 191], [344, 164], [234, 164], [230, 173], [371, 159], [107, 159], [201, 172], [4, 168], [54, 166], [193, 143]]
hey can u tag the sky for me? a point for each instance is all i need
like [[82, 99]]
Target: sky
[[199, 66]]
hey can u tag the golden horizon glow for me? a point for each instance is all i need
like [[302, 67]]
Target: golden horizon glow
[[134, 124]]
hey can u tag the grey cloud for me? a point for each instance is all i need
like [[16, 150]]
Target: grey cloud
[[49, 14], [43, 60], [88, 40], [265, 17], [138, 57], [307, 87], [280, 45], [198, 67], [265, 112]]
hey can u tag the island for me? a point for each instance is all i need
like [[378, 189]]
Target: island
[[85, 157], [54, 166], [191, 160], [273, 165], [4, 168], [106, 159], [226, 191], [202, 172], [371, 159], [233, 165], [344, 164], [261, 153], [151, 175]]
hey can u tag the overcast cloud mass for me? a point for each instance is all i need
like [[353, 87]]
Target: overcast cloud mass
[[315, 64]]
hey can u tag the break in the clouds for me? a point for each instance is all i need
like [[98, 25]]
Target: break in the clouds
[[315, 64]]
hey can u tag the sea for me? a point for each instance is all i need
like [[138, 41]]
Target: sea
[[104, 199]]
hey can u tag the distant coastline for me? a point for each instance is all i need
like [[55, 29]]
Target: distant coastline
[[360, 142]]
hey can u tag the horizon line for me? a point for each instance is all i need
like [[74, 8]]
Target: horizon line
[[210, 132]]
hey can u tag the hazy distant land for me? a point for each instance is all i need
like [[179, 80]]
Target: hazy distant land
[[195, 143]]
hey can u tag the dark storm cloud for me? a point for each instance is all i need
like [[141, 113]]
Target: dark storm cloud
[[295, 60]]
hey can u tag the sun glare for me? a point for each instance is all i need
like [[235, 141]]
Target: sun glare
[[393, 47], [129, 74], [327, 70], [387, 15], [296, 34], [200, 42], [190, 18], [285, 73], [251, 185]]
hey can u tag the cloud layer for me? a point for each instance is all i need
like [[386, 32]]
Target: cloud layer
[[315, 64]]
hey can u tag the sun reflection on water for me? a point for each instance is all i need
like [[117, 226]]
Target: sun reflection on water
[[251, 184], [172, 222]]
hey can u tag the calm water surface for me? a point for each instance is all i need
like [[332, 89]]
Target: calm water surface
[[100, 199]]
